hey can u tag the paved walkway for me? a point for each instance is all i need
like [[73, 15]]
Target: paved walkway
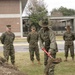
[[26, 44]]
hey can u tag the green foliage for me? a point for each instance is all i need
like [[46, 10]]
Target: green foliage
[[65, 11], [54, 10], [37, 11]]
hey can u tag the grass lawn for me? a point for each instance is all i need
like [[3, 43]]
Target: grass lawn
[[24, 64], [59, 37]]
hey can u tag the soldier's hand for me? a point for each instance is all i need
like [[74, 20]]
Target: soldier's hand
[[43, 48], [49, 53]]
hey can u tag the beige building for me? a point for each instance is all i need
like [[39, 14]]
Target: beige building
[[11, 13]]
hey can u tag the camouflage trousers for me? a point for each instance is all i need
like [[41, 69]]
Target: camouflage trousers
[[33, 50], [71, 47], [50, 69], [46, 57], [11, 53]]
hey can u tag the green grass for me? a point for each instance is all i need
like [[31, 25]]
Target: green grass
[[65, 68], [59, 37], [24, 65], [18, 39]]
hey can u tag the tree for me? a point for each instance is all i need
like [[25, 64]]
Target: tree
[[54, 10], [36, 11], [65, 11]]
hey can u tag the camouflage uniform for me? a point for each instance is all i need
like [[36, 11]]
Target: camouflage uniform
[[69, 38], [47, 41], [7, 40], [32, 39]]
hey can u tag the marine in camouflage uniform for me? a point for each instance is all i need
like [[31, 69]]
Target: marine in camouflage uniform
[[68, 38], [32, 39], [7, 39], [47, 41]]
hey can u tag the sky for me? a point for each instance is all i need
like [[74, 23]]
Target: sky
[[58, 3], [51, 4]]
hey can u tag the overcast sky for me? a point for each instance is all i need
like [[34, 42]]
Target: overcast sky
[[58, 3]]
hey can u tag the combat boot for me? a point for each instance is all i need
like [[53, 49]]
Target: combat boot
[[32, 62], [13, 63], [73, 58], [65, 59], [39, 63]]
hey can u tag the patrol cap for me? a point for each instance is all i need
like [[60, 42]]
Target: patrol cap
[[68, 27], [33, 27], [44, 22], [9, 26]]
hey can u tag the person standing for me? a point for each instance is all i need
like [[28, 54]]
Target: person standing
[[68, 37], [32, 39], [7, 39], [48, 42]]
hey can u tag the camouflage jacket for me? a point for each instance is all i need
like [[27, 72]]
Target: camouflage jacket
[[68, 38], [47, 39], [32, 39], [7, 39]]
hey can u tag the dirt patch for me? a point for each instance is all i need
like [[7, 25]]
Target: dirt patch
[[7, 69]]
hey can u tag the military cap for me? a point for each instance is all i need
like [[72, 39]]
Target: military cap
[[68, 27], [8, 26], [44, 22], [33, 27]]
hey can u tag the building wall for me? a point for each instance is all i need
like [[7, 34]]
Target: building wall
[[56, 14], [10, 13], [15, 22], [9, 7]]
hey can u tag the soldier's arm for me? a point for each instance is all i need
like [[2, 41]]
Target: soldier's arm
[[13, 36], [37, 36], [64, 36], [28, 38], [2, 38], [41, 41], [73, 36], [53, 41]]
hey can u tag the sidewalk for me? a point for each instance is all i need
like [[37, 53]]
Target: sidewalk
[[26, 44]]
